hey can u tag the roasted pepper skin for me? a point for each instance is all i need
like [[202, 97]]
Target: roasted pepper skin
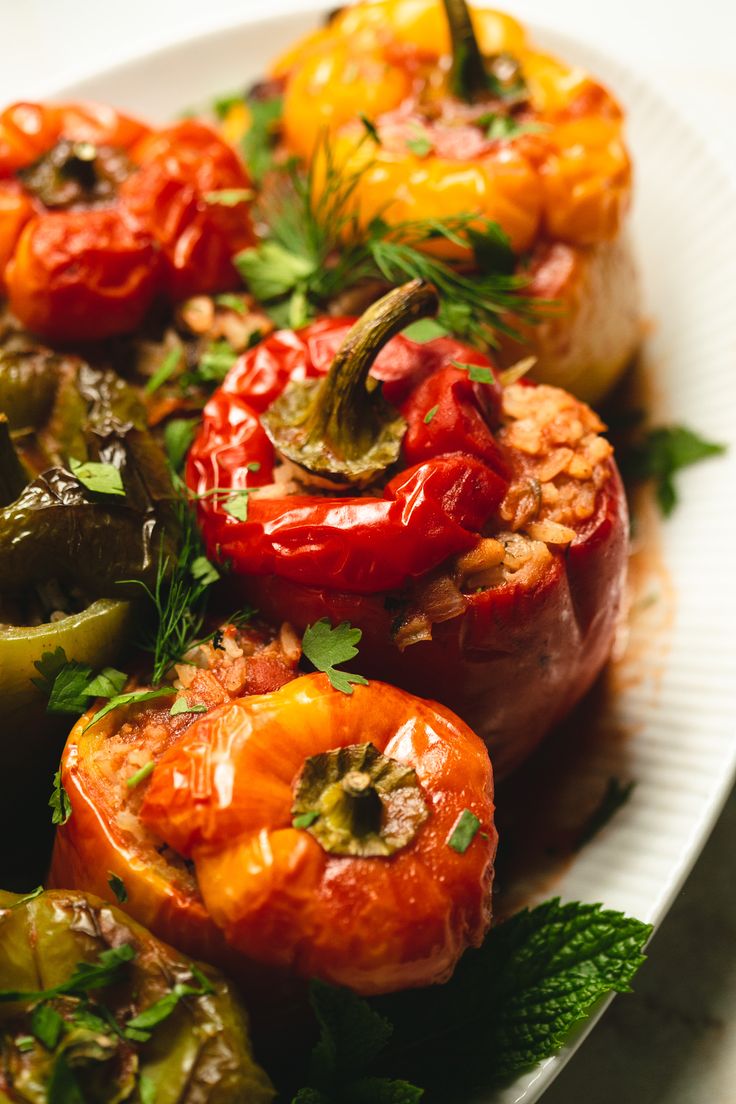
[[372, 924], [271, 894], [520, 655], [568, 179], [202, 1052], [93, 267]]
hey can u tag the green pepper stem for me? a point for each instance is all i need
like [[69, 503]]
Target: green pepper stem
[[468, 76], [12, 474], [361, 805], [344, 415]]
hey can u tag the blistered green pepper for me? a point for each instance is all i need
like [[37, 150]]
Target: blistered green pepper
[[92, 1003]]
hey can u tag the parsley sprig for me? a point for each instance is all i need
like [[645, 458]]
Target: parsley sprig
[[660, 454], [317, 248], [326, 648]]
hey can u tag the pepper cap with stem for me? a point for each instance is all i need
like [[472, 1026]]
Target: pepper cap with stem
[[340, 428], [473, 76], [356, 801]]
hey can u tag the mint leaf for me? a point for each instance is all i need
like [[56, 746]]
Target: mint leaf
[[514, 1001], [59, 803], [96, 477], [663, 452], [326, 647]]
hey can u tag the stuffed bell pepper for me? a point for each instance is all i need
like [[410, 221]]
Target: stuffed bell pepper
[[94, 1008], [474, 528], [433, 112], [309, 831], [100, 216], [85, 501]]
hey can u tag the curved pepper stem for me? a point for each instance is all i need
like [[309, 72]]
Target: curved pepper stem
[[468, 76], [340, 428], [473, 76], [356, 801]]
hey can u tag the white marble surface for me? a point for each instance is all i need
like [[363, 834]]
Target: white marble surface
[[674, 1040]]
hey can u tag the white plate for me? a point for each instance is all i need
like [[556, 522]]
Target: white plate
[[676, 685]]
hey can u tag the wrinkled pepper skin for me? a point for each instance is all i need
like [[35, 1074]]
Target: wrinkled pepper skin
[[567, 177], [521, 654], [201, 1053], [271, 895], [560, 186], [88, 265]]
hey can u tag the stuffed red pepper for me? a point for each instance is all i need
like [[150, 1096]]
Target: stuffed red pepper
[[475, 531]]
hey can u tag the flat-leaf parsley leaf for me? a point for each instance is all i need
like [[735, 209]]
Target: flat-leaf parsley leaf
[[326, 647]]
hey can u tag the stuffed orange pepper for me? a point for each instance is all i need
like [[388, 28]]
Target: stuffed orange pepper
[[100, 216], [442, 113], [309, 831]]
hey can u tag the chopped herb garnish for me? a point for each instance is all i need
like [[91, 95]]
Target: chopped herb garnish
[[431, 413], [663, 452], [500, 127], [86, 977], [420, 144], [59, 803], [142, 1024], [305, 819], [370, 128], [229, 197], [28, 897], [424, 329], [236, 504], [204, 571], [47, 1025], [216, 362], [24, 1043], [132, 697], [178, 436], [463, 832], [181, 705], [146, 1089], [325, 647], [117, 885], [97, 477], [232, 302], [107, 683], [318, 246], [165, 370], [140, 775], [477, 373]]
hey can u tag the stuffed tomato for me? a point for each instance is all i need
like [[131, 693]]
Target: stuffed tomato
[[100, 216], [305, 832], [464, 115], [475, 532]]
